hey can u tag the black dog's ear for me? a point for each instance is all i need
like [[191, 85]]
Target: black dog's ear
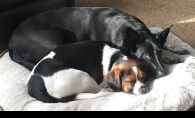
[[114, 80], [133, 39], [162, 36]]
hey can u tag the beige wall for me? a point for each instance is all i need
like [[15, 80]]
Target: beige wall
[[161, 13]]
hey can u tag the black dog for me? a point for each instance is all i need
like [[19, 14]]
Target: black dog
[[35, 37]]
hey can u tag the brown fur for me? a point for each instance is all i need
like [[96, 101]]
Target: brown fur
[[129, 79]]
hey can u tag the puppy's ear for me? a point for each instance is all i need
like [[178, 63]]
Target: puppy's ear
[[162, 36], [133, 39], [114, 80]]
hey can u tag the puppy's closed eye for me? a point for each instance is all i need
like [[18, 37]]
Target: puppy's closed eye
[[133, 82]]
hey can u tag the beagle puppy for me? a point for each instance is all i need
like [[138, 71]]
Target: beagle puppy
[[81, 67]]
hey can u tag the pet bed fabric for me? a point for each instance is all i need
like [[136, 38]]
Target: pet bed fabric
[[174, 92], [1, 109]]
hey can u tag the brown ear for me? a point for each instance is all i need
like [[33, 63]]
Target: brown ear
[[114, 80]]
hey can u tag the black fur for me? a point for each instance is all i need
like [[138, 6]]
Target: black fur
[[35, 37], [36, 89]]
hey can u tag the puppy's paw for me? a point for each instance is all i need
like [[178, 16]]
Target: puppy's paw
[[171, 60], [176, 50]]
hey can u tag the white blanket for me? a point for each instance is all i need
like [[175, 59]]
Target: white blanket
[[174, 92]]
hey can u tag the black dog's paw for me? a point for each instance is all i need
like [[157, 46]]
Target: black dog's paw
[[180, 51], [171, 60], [176, 50]]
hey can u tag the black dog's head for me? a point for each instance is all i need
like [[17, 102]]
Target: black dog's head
[[147, 47]]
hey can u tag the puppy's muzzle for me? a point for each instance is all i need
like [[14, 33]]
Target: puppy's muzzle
[[140, 89], [143, 89]]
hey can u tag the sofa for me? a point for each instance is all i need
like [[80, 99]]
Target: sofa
[[13, 12]]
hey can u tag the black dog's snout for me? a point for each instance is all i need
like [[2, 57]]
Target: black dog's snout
[[143, 89]]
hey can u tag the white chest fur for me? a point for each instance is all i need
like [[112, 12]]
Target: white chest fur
[[70, 81], [106, 57]]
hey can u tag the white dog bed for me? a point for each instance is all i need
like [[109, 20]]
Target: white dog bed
[[174, 92]]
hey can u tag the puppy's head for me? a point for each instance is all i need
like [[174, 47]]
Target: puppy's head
[[128, 76]]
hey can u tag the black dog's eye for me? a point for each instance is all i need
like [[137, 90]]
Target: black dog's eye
[[146, 56]]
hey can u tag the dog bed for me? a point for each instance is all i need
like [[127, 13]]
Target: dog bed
[[174, 92]]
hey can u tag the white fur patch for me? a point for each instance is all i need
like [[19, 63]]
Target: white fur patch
[[107, 54], [70, 81], [83, 96], [50, 55], [136, 72], [138, 84], [125, 58]]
